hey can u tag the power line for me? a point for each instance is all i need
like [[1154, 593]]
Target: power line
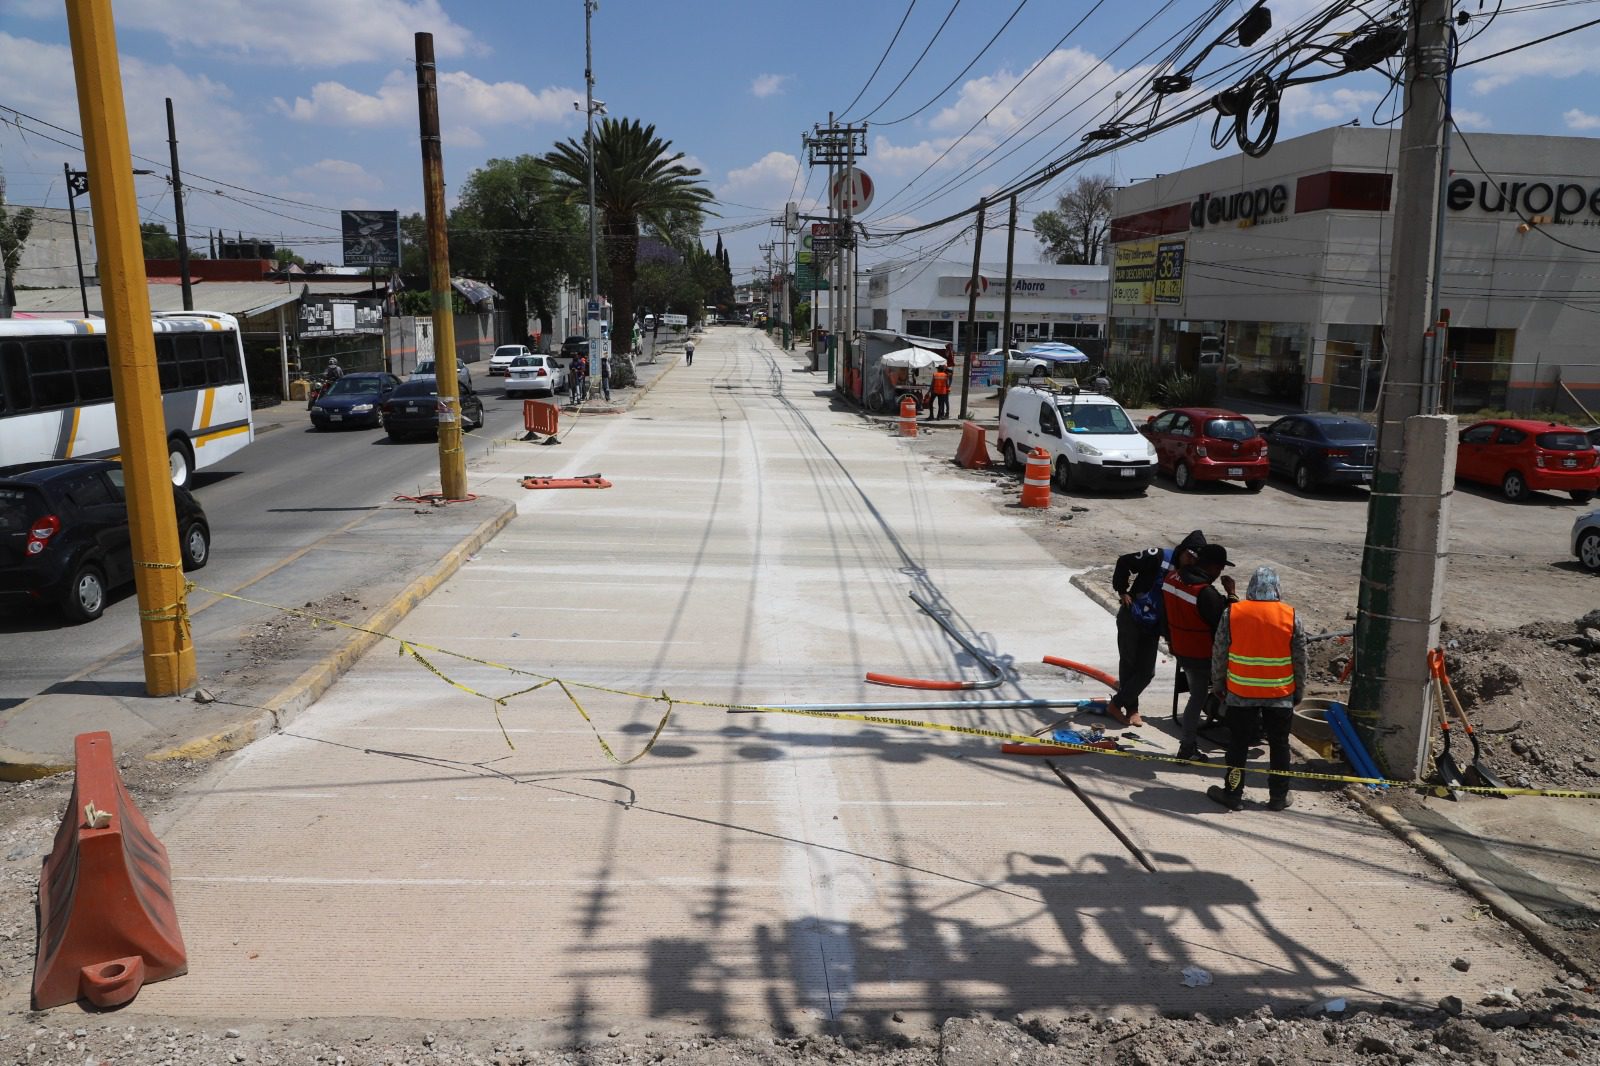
[[1528, 44], [846, 109], [981, 53], [916, 64]]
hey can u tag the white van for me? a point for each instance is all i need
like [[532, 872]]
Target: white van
[[1091, 442]]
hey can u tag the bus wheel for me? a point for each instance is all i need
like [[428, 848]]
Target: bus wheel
[[180, 461]]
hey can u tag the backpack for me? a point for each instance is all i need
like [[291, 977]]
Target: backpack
[[1147, 607]]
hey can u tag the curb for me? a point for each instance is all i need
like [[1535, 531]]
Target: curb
[[642, 393], [1103, 596], [305, 689]]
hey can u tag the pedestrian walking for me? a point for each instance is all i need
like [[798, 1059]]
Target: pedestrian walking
[[1260, 651], [1137, 582], [941, 391], [1192, 608], [688, 353], [580, 373], [605, 377]]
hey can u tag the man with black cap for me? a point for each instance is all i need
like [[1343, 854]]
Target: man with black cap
[[1193, 610], [1137, 581]]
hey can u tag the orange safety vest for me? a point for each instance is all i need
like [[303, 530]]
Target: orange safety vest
[[1187, 632], [941, 383], [1260, 653]]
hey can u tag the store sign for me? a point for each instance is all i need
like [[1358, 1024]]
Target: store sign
[[1133, 272], [1024, 288], [1254, 205], [1168, 284], [1559, 199]]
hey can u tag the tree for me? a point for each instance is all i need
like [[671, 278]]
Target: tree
[[283, 257], [15, 226], [639, 181], [413, 245], [1074, 231], [158, 241]]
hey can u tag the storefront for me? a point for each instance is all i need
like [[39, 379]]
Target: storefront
[[1049, 301], [1271, 273]]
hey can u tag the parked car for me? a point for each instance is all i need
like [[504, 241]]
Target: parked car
[[353, 400], [1090, 439], [574, 346], [535, 374], [1594, 437], [1586, 540], [1519, 456], [1318, 450], [413, 409], [425, 369], [1196, 444], [500, 361], [64, 534]]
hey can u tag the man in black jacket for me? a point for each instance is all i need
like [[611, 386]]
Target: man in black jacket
[[1137, 582]]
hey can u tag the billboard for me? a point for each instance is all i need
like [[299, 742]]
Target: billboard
[[371, 238], [1133, 272], [1169, 272], [340, 314]]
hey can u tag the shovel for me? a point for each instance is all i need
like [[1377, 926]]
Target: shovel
[[1449, 773], [1477, 773]]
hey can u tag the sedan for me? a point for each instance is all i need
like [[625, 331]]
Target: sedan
[[500, 362], [413, 410], [1586, 540], [1197, 444], [1320, 450], [1519, 456], [353, 400], [534, 374]]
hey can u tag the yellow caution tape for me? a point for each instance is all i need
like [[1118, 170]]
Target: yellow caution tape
[[413, 649]]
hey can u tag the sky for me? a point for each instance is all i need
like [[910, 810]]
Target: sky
[[291, 110]]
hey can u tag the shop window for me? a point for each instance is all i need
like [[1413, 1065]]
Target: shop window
[[1479, 368], [1131, 338], [1353, 366], [1267, 361]]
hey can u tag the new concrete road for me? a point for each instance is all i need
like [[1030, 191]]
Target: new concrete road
[[289, 489], [391, 854]]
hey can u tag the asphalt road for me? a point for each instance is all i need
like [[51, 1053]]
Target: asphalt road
[[282, 493]]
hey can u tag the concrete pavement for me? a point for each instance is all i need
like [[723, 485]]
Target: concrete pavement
[[390, 855]]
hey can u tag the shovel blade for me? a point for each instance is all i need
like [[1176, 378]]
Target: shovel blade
[[1449, 774], [1482, 777]]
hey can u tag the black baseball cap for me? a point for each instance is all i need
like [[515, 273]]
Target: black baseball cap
[[1212, 554], [1194, 541]]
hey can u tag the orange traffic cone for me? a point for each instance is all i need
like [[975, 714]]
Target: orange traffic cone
[[908, 415], [1036, 479]]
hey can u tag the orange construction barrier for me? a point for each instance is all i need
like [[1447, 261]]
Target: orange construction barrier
[[973, 451], [107, 923], [1053, 750], [908, 415], [540, 417], [1036, 479], [1082, 668], [582, 481]]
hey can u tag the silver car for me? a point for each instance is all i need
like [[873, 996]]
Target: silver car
[[1586, 540]]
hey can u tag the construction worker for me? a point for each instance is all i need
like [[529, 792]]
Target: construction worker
[[1260, 654], [941, 392], [1137, 582], [1192, 610]]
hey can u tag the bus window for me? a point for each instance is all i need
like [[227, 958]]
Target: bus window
[[167, 362], [50, 373], [216, 354], [14, 390], [191, 361], [91, 366]]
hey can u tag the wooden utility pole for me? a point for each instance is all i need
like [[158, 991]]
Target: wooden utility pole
[[1005, 318], [169, 664], [452, 461], [177, 211], [972, 313]]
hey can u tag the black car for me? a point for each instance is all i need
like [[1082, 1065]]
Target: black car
[[64, 534], [573, 347], [1319, 450], [353, 400], [413, 408]]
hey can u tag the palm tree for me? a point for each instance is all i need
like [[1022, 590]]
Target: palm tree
[[638, 180]]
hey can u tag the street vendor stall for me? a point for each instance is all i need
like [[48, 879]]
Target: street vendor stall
[[909, 372]]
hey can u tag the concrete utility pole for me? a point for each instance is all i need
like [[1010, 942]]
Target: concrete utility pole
[[169, 665], [838, 147], [1005, 318], [452, 461], [592, 318], [972, 313], [1402, 568], [177, 209]]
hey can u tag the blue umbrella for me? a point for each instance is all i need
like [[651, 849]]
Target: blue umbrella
[[1055, 352]]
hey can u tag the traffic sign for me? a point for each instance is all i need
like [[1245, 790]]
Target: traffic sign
[[852, 192]]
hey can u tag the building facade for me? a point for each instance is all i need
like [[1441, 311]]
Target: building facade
[[1272, 273], [1049, 301]]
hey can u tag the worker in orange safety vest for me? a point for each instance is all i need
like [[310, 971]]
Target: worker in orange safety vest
[[941, 393], [1192, 608], [1260, 657]]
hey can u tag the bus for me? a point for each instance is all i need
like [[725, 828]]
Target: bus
[[55, 390]]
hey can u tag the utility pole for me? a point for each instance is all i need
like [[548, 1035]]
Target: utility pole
[[1005, 318], [972, 313], [169, 664], [78, 185], [177, 208], [452, 461], [593, 317], [1402, 568], [838, 147], [788, 275]]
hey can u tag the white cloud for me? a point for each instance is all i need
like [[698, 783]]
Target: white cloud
[[1472, 120], [463, 99], [1302, 104], [339, 175], [766, 85], [1580, 120], [766, 183], [304, 33], [1563, 57]]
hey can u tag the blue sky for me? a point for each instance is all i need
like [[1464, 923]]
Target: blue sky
[[314, 101]]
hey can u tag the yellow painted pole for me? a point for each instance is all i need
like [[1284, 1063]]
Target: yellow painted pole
[[452, 461], [169, 666]]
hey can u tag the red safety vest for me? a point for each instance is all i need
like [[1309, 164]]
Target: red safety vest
[[941, 383], [1187, 632], [1260, 651]]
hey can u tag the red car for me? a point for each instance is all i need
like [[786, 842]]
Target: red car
[[1196, 444], [1519, 456]]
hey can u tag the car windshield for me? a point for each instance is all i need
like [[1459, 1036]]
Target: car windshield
[[18, 507], [1348, 429], [1564, 441], [1095, 418], [528, 360], [349, 386], [416, 387], [1230, 429], [507, 353]]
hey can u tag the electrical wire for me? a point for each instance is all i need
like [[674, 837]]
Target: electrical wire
[[1529, 44], [915, 65], [846, 109], [981, 53]]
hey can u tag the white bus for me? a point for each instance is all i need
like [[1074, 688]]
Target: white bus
[[55, 390]]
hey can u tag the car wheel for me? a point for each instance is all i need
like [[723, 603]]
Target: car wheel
[[1302, 476], [1589, 550], [1514, 487], [1008, 452], [86, 595], [1183, 477], [1063, 474], [196, 546], [1254, 486], [1579, 496], [180, 462]]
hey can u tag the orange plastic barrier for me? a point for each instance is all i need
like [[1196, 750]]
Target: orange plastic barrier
[[586, 481], [973, 451], [1036, 480], [1080, 668], [540, 417], [908, 415], [107, 923], [1056, 749]]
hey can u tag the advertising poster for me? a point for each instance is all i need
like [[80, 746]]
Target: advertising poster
[[1169, 272], [1133, 273]]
